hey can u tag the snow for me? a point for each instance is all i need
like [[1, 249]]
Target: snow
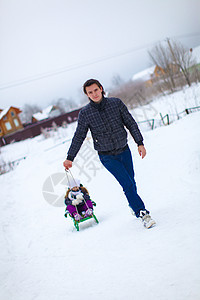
[[172, 105], [44, 257], [44, 114], [144, 75], [48, 109], [41, 115], [4, 112]]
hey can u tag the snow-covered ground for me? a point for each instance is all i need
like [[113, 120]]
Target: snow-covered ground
[[172, 105], [43, 257]]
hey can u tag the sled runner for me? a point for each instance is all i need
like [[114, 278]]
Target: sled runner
[[76, 223]]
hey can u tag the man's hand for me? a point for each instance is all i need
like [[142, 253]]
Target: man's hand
[[67, 164], [142, 151]]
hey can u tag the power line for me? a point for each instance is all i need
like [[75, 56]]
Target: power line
[[70, 68], [84, 64]]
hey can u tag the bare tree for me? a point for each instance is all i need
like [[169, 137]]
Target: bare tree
[[27, 112], [181, 57], [117, 81], [133, 93], [176, 62], [195, 73], [64, 105], [160, 56]]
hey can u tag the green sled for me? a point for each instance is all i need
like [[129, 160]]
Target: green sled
[[76, 223]]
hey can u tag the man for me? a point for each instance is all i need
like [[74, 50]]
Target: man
[[107, 118]]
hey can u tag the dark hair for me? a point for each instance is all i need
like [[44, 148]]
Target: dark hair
[[89, 82]]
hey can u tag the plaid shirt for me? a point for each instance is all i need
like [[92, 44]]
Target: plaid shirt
[[106, 121]]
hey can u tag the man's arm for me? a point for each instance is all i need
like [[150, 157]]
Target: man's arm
[[131, 124], [77, 141]]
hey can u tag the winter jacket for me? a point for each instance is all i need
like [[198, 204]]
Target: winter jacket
[[106, 121], [68, 201]]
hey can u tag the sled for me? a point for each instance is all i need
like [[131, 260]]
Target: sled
[[76, 223]]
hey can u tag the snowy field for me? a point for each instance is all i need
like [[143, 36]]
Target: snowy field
[[43, 257], [171, 104]]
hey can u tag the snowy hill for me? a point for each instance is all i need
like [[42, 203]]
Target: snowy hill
[[172, 104], [44, 258]]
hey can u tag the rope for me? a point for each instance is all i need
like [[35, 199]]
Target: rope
[[69, 182], [71, 176], [76, 185]]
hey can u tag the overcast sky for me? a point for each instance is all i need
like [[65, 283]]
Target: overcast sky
[[48, 48]]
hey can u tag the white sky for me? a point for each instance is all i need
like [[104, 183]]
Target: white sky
[[37, 37]]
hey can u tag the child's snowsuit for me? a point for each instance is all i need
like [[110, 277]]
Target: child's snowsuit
[[71, 195]]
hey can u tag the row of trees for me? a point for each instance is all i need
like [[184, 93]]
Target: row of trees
[[176, 61], [62, 104], [177, 69]]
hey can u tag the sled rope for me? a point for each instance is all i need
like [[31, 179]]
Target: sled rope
[[71, 176], [77, 185], [74, 182]]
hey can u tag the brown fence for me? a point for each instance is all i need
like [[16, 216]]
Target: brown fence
[[35, 128]]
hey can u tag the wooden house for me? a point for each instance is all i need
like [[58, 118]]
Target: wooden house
[[149, 75], [158, 71], [9, 120], [49, 112], [153, 74]]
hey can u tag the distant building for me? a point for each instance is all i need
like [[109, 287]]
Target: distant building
[[9, 120], [153, 74], [49, 112], [34, 129], [144, 75]]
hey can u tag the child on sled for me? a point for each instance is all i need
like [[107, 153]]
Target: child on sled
[[78, 200]]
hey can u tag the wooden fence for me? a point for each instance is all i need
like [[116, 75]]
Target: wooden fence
[[165, 120], [34, 129]]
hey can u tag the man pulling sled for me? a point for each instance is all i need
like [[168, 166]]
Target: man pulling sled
[[107, 118]]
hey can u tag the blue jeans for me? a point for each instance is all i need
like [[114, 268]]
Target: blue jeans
[[121, 166]]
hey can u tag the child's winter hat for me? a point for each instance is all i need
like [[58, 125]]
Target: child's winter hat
[[72, 182]]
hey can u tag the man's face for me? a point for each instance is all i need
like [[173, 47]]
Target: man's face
[[94, 92]]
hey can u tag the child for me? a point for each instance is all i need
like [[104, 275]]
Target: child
[[78, 200]]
